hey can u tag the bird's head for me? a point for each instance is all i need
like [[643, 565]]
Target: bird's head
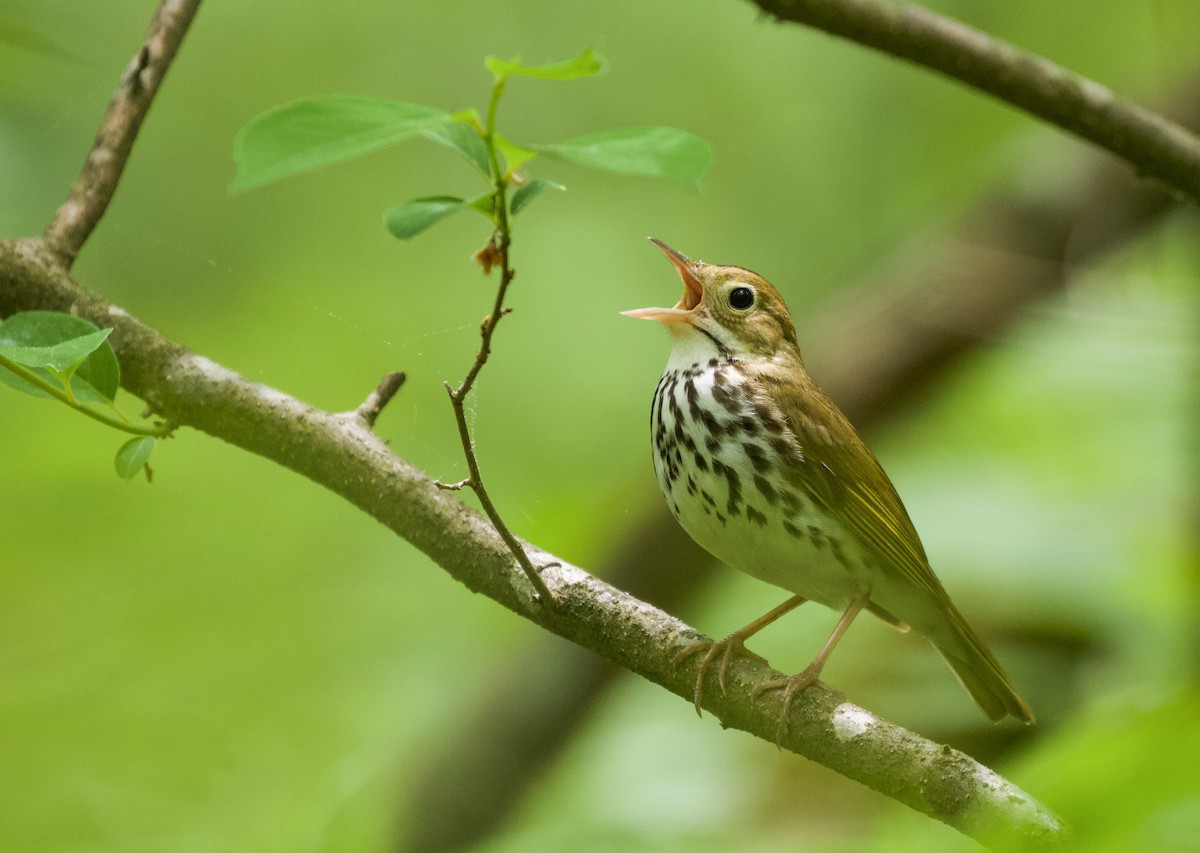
[[728, 309]]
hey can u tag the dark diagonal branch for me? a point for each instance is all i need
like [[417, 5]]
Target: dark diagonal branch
[[93, 190], [344, 456], [1154, 146]]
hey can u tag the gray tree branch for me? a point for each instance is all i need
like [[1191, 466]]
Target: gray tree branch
[[1154, 146]]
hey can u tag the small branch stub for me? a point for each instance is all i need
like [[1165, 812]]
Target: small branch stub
[[373, 406]]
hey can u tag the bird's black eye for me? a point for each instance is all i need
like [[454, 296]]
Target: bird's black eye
[[741, 298]]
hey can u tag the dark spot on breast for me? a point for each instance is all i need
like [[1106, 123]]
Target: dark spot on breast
[[701, 462], [793, 530], [735, 490], [767, 418], [748, 424], [766, 489], [726, 398], [795, 476], [818, 537], [708, 499], [755, 516], [757, 456], [711, 442], [792, 501]]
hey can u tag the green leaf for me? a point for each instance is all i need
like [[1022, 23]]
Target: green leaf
[[318, 131], [465, 140], [587, 64], [528, 192], [49, 343], [514, 155], [656, 152], [412, 217], [485, 204], [133, 455], [59, 357]]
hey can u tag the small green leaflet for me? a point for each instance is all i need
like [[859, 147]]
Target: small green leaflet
[[464, 139], [514, 155], [133, 455], [587, 64], [318, 131], [60, 348], [528, 192]]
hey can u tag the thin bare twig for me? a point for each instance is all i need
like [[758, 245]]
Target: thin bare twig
[[458, 396], [89, 197], [371, 407], [495, 253], [1153, 145]]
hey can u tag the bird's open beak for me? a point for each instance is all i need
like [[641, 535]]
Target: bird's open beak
[[693, 292]]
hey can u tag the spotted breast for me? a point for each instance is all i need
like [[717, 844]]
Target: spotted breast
[[715, 438]]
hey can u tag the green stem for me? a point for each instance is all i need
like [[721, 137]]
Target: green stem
[[62, 396], [499, 181]]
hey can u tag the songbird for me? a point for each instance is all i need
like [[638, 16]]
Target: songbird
[[762, 469]]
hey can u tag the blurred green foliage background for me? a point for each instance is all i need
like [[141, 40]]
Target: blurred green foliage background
[[232, 659]]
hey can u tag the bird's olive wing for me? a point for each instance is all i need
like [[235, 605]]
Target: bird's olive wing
[[839, 472]]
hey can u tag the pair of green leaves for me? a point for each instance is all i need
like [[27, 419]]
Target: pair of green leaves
[[49, 354], [317, 132]]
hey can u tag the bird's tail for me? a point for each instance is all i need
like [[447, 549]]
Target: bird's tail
[[979, 671]]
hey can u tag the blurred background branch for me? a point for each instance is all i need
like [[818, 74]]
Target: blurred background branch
[[1156, 147]]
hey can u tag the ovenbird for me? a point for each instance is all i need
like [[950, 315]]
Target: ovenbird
[[766, 473]]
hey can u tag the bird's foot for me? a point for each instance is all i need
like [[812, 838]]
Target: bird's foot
[[791, 686], [734, 644]]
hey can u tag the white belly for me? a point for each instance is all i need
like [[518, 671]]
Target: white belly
[[714, 454]]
